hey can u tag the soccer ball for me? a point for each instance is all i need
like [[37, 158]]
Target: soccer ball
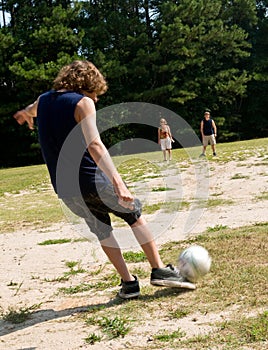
[[194, 262]]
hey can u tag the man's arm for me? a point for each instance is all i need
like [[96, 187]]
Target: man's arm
[[27, 115], [214, 128], [85, 113], [202, 128]]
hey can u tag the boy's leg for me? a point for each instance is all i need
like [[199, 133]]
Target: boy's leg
[[129, 284], [161, 275], [114, 254], [147, 242]]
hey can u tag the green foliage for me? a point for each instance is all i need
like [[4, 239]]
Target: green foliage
[[186, 56], [19, 316]]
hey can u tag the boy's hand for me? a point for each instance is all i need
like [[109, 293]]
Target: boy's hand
[[22, 116]]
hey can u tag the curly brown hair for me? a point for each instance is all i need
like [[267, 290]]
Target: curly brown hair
[[80, 76]]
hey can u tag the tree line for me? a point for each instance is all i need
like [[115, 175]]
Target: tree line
[[187, 56]]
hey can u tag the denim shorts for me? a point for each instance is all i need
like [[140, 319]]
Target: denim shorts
[[96, 207]]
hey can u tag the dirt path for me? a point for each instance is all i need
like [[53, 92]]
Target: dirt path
[[26, 267]]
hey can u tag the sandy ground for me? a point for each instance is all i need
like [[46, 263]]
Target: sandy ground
[[25, 265]]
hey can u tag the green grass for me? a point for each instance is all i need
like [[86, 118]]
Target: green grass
[[19, 316], [131, 257], [239, 176], [29, 178], [165, 336], [55, 241], [27, 199], [245, 331], [236, 282], [262, 196], [113, 327], [93, 338]]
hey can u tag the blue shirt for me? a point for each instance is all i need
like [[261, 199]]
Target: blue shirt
[[207, 127], [71, 168]]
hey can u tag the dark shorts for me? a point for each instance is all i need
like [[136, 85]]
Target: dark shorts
[[96, 207]]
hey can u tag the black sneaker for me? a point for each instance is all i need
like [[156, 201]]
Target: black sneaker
[[170, 277], [202, 155], [214, 154], [130, 289]]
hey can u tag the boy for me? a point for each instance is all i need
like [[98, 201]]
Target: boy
[[70, 106]]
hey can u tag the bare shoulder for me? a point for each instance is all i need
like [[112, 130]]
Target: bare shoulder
[[84, 108]]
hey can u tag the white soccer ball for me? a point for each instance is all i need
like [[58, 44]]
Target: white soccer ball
[[194, 262]]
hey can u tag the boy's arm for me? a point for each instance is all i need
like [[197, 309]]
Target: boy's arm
[[86, 114], [27, 114]]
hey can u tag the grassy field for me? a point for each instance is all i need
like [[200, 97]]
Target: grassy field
[[236, 285], [27, 198], [230, 302]]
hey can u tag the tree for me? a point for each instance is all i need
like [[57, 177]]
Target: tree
[[40, 38], [255, 105]]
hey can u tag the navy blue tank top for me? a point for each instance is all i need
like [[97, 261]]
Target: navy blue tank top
[[207, 127], [71, 168]]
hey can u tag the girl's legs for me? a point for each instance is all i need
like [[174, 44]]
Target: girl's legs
[[169, 154]]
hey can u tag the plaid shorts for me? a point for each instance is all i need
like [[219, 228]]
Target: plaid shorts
[[96, 207]]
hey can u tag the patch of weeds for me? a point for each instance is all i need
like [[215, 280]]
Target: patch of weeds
[[16, 286], [97, 271], [71, 264], [162, 189], [166, 337], [217, 228], [170, 207], [142, 273], [114, 327], [57, 279], [217, 194], [55, 241], [179, 313], [107, 282], [95, 309], [83, 287], [134, 257], [239, 176], [248, 330], [18, 316], [152, 208], [93, 338], [167, 207], [136, 169], [211, 203], [73, 271], [12, 284], [262, 196]]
